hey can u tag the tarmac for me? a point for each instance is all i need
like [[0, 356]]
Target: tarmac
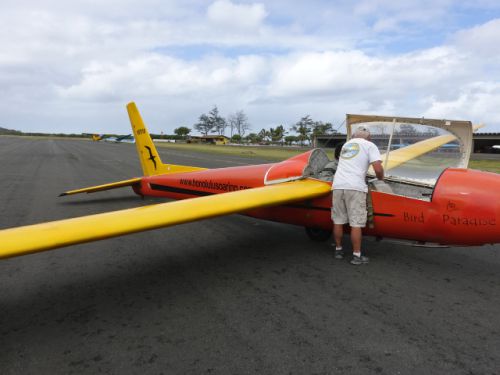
[[231, 295]]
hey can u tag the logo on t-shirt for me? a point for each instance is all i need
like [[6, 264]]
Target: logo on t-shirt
[[349, 151]]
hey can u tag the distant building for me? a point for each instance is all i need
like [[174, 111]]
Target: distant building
[[486, 142], [328, 140], [209, 139]]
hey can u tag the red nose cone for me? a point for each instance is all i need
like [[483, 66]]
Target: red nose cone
[[469, 206]]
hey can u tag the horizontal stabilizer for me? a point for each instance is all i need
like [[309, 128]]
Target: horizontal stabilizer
[[112, 185], [46, 236]]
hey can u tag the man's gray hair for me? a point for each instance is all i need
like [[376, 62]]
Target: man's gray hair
[[361, 132]]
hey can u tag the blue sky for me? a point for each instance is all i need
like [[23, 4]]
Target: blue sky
[[72, 67]]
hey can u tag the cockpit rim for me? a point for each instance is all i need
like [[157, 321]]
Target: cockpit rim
[[461, 129]]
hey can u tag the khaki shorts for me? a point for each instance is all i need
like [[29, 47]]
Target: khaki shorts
[[349, 206]]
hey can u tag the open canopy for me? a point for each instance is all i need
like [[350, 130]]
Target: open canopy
[[398, 136]]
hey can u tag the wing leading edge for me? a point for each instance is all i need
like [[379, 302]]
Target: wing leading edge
[[112, 185], [55, 234]]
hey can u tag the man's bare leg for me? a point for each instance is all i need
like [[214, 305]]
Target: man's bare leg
[[338, 232], [356, 237]]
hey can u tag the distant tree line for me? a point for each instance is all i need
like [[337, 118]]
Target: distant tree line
[[4, 131], [238, 126]]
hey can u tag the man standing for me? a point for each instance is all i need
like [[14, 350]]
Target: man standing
[[350, 189]]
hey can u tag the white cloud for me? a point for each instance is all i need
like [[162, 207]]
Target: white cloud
[[330, 73], [274, 59], [389, 16], [482, 40], [478, 102], [157, 75], [225, 14]]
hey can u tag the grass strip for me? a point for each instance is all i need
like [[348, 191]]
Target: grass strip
[[272, 153], [485, 165]]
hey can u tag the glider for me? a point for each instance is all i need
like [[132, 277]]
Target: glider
[[116, 139], [422, 200], [119, 139], [97, 137]]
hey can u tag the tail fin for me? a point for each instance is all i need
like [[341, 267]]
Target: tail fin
[[148, 155]]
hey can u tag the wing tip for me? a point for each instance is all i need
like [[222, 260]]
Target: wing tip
[[131, 106]]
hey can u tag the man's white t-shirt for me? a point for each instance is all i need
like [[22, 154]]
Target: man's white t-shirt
[[355, 158]]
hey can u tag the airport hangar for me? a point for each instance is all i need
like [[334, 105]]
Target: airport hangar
[[482, 142]]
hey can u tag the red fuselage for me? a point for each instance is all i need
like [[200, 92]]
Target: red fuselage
[[464, 208]]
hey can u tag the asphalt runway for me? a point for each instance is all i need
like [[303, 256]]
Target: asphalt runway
[[232, 295]]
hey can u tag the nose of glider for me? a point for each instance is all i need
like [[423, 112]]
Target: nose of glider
[[485, 205], [491, 197], [496, 199], [486, 200], [469, 205]]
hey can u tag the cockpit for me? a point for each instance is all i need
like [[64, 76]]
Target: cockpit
[[414, 152]]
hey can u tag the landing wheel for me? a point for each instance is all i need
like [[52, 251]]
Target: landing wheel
[[318, 234]]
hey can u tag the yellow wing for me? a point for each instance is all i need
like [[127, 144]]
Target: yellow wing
[[402, 155], [112, 185], [405, 154], [46, 236]]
